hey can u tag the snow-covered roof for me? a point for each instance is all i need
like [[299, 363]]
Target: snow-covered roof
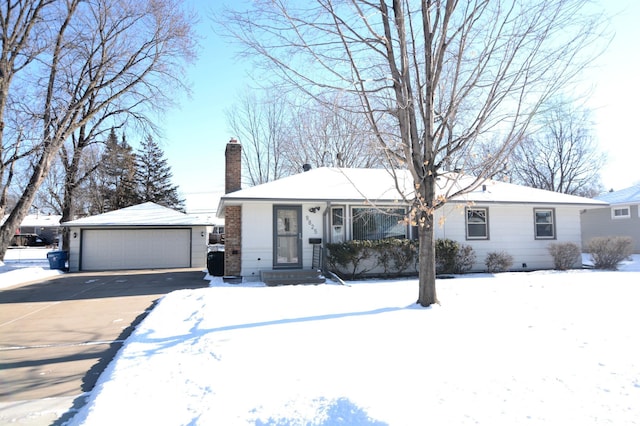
[[629, 195], [379, 186], [145, 214], [329, 184], [39, 220]]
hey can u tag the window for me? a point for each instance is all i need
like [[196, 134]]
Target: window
[[621, 212], [378, 223], [544, 223], [477, 224], [337, 225], [337, 216]]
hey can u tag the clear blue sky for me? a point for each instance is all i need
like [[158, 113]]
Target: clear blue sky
[[196, 133]]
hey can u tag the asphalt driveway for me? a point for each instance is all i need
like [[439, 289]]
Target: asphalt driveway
[[58, 335]]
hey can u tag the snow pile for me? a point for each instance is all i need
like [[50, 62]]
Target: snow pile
[[23, 265], [515, 348]]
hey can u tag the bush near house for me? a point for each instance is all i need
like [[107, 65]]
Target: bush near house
[[348, 259], [608, 252], [465, 259], [393, 257], [498, 261], [565, 255], [453, 258]]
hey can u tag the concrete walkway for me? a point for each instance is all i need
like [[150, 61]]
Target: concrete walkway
[[58, 335]]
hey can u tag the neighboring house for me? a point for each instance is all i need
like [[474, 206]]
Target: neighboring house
[[217, 234], [277, 224], [620, 218], [46, 226], [145, 236]]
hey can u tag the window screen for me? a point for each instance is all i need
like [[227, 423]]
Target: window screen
[[477, 223], [621, 212], [544, 223], [377, 224]]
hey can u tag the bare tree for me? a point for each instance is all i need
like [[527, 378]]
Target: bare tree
[[21, 45], [94, 55], [279, 135], [324, 134], [561, 154], [433, 78], [260, 122]]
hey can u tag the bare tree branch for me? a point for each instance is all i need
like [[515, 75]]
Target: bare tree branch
[[436, 81], [95, 59]]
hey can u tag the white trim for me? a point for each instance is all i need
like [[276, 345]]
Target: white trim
[[621, 209]]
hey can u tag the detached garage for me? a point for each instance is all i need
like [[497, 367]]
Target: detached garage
[[146, 236]]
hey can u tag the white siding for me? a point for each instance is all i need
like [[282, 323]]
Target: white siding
[[312, 227], [511, 229], [257, 236], [257, 239], [199, 242]]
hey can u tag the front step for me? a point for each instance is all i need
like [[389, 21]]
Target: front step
[[291, 276]]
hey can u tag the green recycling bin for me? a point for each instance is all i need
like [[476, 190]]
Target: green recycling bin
[[57, 259]]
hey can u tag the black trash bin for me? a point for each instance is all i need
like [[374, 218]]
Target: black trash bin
[[57, 260], [215, 263]]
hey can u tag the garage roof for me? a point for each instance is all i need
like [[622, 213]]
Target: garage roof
[[145, 214]]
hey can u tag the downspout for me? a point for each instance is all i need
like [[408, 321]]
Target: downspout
[[326, 232], [325, 235]]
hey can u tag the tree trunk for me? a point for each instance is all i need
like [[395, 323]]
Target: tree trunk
[[427, 266], [71, 183], [9, 227], [68, 213], [426, 250]]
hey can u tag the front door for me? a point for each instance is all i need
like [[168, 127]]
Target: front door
[[287, 234]]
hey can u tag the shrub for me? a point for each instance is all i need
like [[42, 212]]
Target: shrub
[[395, 255], [353, 259], [607, 252], [446, 251], [565, 255], [403, 254], [498, 261], [464, 259], [453, 258], [349, 255]]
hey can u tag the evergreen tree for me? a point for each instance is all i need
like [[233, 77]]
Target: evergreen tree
[[118, 174], [153, 176]]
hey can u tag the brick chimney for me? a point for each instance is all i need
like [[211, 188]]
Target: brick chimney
[[233, 214], [233, 166]]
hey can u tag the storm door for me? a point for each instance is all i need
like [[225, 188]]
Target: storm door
[[287, 235]]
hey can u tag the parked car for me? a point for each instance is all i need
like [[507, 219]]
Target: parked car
[[29, 240], [217, 236]]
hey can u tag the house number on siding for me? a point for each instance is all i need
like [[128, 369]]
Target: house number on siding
[[311, 225]]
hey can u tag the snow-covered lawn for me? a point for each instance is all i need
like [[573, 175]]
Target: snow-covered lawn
[[541, 348], [559, 348]]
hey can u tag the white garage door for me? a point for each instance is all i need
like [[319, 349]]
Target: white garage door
[[115, 249]]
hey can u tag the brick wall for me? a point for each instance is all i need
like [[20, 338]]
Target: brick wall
[[233, 240], [233, 214], [233, 167]]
